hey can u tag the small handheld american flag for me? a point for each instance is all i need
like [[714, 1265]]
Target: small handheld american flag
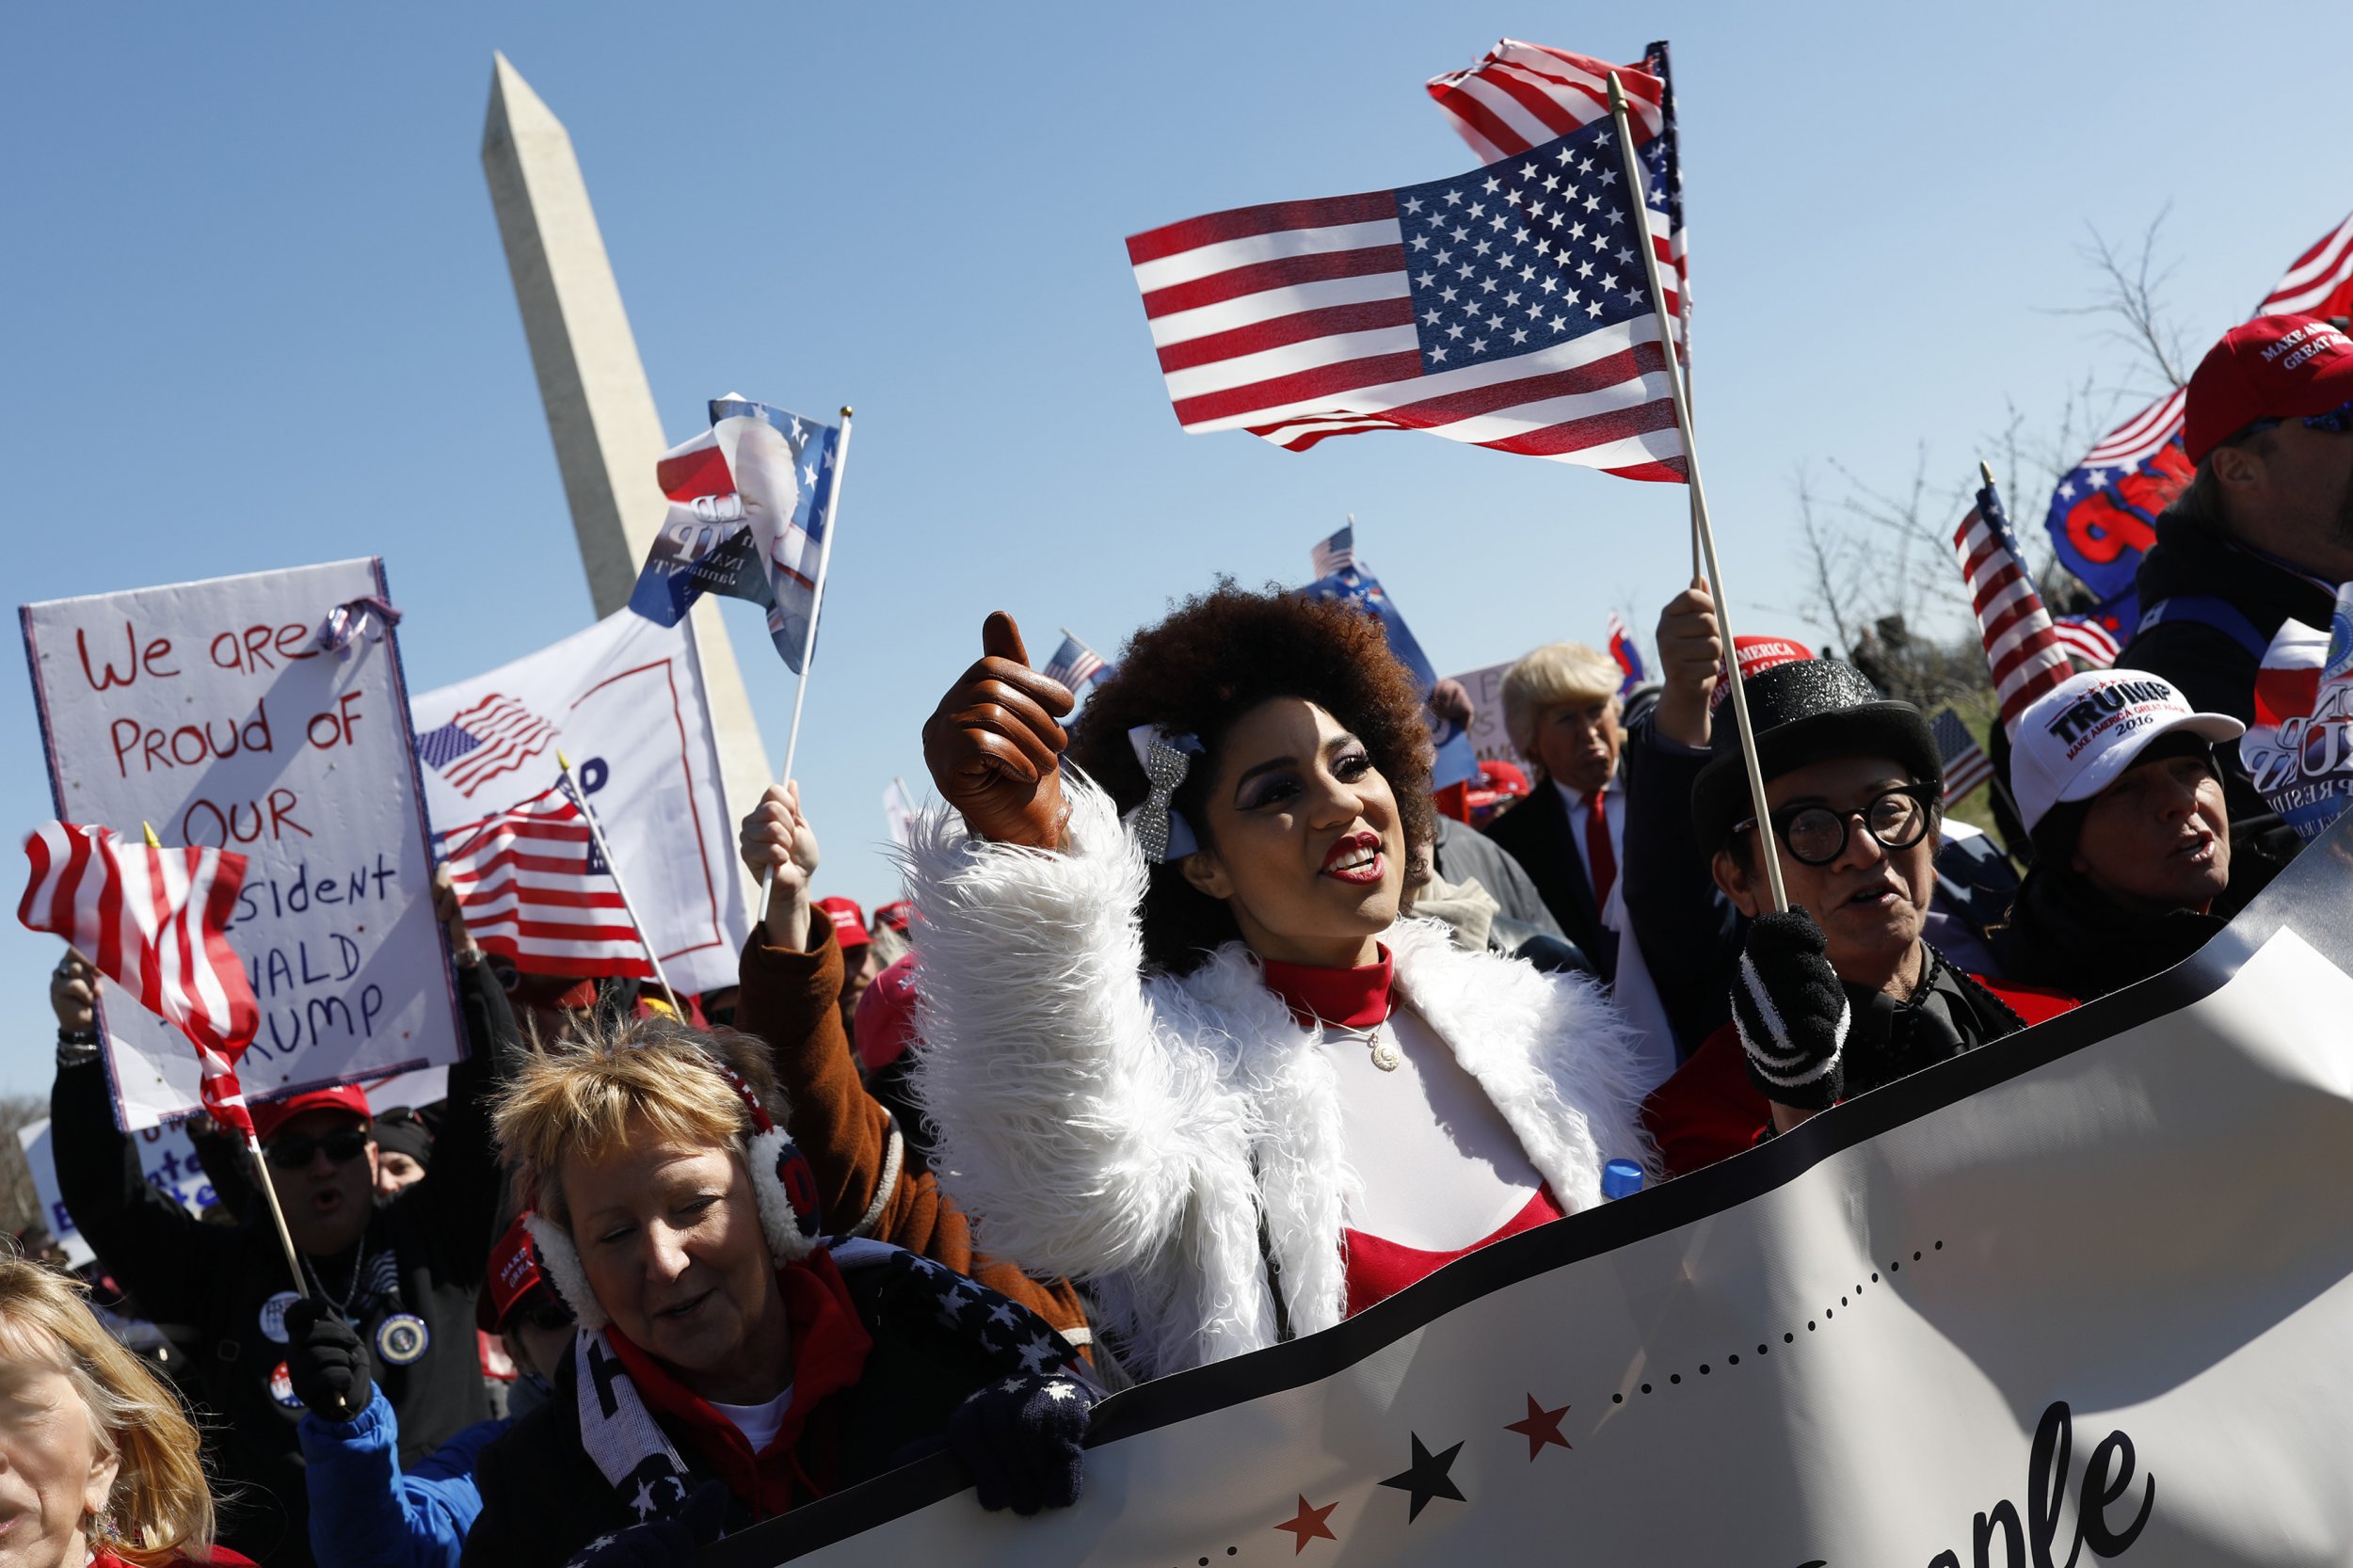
[[1074, 664], [2021, 650], [1335, 555], [2086, 641], [1626, 652], [1506, 308], [154, 922], [1966, 765], [534, 890]]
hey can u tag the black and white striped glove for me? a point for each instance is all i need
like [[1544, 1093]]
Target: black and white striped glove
[[1791, 1012]]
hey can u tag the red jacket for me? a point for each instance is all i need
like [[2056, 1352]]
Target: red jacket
[[1709, 1109]]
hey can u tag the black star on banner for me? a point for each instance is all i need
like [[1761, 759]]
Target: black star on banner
[[1541, 1427], [1427, 1477]]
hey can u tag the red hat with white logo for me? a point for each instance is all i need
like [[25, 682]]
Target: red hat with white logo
[[2078, 738], [1757, 655], [513, 1275], [1498, 782], [894, 916], [849, 922], [2272, 367], [269, 1115]]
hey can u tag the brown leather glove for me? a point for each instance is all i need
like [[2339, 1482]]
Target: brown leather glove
[[993, 744]]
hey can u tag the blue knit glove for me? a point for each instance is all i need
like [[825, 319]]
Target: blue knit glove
[[676, 1542], [1020, 1438]]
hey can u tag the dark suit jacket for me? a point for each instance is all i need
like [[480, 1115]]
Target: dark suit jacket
[[1539, 835]]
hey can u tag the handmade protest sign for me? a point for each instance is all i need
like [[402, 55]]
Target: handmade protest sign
[[624, 699], [221, 713], [166, 1154], [1489, 740], [2081, 1295]]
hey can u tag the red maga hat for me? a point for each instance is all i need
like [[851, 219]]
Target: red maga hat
[[2272, 367], [885, 1015], [849, 922], [514, 1273], [269, 1115]]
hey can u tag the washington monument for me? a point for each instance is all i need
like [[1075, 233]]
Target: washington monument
[[600, 408]]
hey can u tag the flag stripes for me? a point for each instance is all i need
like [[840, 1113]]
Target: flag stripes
[[1073, 665], [1966, 765], [2086, 641], [2021, 650], [154, 922], [2321, 281], [529, 883]]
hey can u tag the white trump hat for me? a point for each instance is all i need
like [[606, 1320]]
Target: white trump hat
[[2077, 739]]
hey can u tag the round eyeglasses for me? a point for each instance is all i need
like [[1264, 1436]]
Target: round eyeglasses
[[1815, 835]]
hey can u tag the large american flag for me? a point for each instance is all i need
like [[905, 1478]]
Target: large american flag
[[1505, 308], [154, 922], [493, 737], [2021, 648], [1966, 765], [1522, 94], [534, 889]]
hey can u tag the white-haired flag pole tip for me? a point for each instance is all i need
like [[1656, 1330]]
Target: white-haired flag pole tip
[[1771, 851], [612, 868], [808, 648], [261, 1169]]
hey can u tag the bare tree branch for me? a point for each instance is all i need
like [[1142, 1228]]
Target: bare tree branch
[[2131, 286]]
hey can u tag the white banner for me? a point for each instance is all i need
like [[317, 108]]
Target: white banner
[[164, 1154], [2084, 1294], [210, 710], [624, 701]]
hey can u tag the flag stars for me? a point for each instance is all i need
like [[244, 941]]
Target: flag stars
[[1519, 335], [1460, 234], [1413, 205], [1584, 270], [1592, 204], [1427, 279], [1447, 293], [1454, 330], [1483, 248], [1593, 309], [1479, 345], [1609, 176], [1491, 185], [1577, 232], [1585, 165], [1454, 198], [1478, 209], [1422, 242], [1625, 255], [1616, 215], [1527, 171], [1552, 182]]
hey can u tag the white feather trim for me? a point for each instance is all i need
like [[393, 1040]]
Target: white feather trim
[[561, 1261], [776, 1221], [1132, 1135]]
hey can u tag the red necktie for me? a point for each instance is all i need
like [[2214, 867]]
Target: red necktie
[[1598, 854]]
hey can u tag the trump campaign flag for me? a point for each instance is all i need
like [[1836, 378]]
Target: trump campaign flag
[[1506, 308], [1520, 95], [624, 699], [2104, 512], [751, 501], [2299, 750], [1456, 761], [154, 922]]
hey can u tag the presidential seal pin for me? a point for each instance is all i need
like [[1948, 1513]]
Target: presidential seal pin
[[402, 1338]]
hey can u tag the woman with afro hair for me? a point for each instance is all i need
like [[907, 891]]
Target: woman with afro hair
[[1179, 1043]]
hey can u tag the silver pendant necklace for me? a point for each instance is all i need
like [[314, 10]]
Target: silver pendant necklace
[[1386, 1055]]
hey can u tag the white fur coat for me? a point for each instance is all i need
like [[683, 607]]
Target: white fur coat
[[1129, 1134]]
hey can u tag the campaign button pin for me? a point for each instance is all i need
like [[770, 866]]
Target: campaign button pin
[[281, 1387], [401, 1338], [273, 1316]]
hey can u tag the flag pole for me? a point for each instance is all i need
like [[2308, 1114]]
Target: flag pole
[[808, 644], [1705, 533], [261, 1167], [612, 868]]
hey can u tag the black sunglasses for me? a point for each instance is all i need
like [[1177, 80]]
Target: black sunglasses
[[292, 1153], [1815, 835]]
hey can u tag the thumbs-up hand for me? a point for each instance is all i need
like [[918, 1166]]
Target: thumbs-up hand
[[994, 746]]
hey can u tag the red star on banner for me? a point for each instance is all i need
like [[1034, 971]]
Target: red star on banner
[[1542, 1426], [1310, 1524]]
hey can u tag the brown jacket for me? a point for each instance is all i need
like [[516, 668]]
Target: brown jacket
[[792, 1001]]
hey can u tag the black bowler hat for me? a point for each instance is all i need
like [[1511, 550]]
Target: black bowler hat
[[1803, 712]]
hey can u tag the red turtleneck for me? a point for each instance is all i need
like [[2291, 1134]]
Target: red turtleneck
[[1349, 999]]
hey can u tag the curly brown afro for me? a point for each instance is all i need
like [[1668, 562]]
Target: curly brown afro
[[1215, 658]]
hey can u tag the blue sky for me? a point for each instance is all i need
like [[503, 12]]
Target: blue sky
[[255, 297]]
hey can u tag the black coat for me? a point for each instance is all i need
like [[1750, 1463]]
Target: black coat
[[1689, 932], [1539, 835], [218, 1279], [543, 1498], [2215, 663], [2064, 933]]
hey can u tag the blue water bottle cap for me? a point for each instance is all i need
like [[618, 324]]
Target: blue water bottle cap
[[1620, 1179]]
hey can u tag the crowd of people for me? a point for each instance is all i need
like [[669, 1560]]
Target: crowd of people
[[1201, 1028]]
